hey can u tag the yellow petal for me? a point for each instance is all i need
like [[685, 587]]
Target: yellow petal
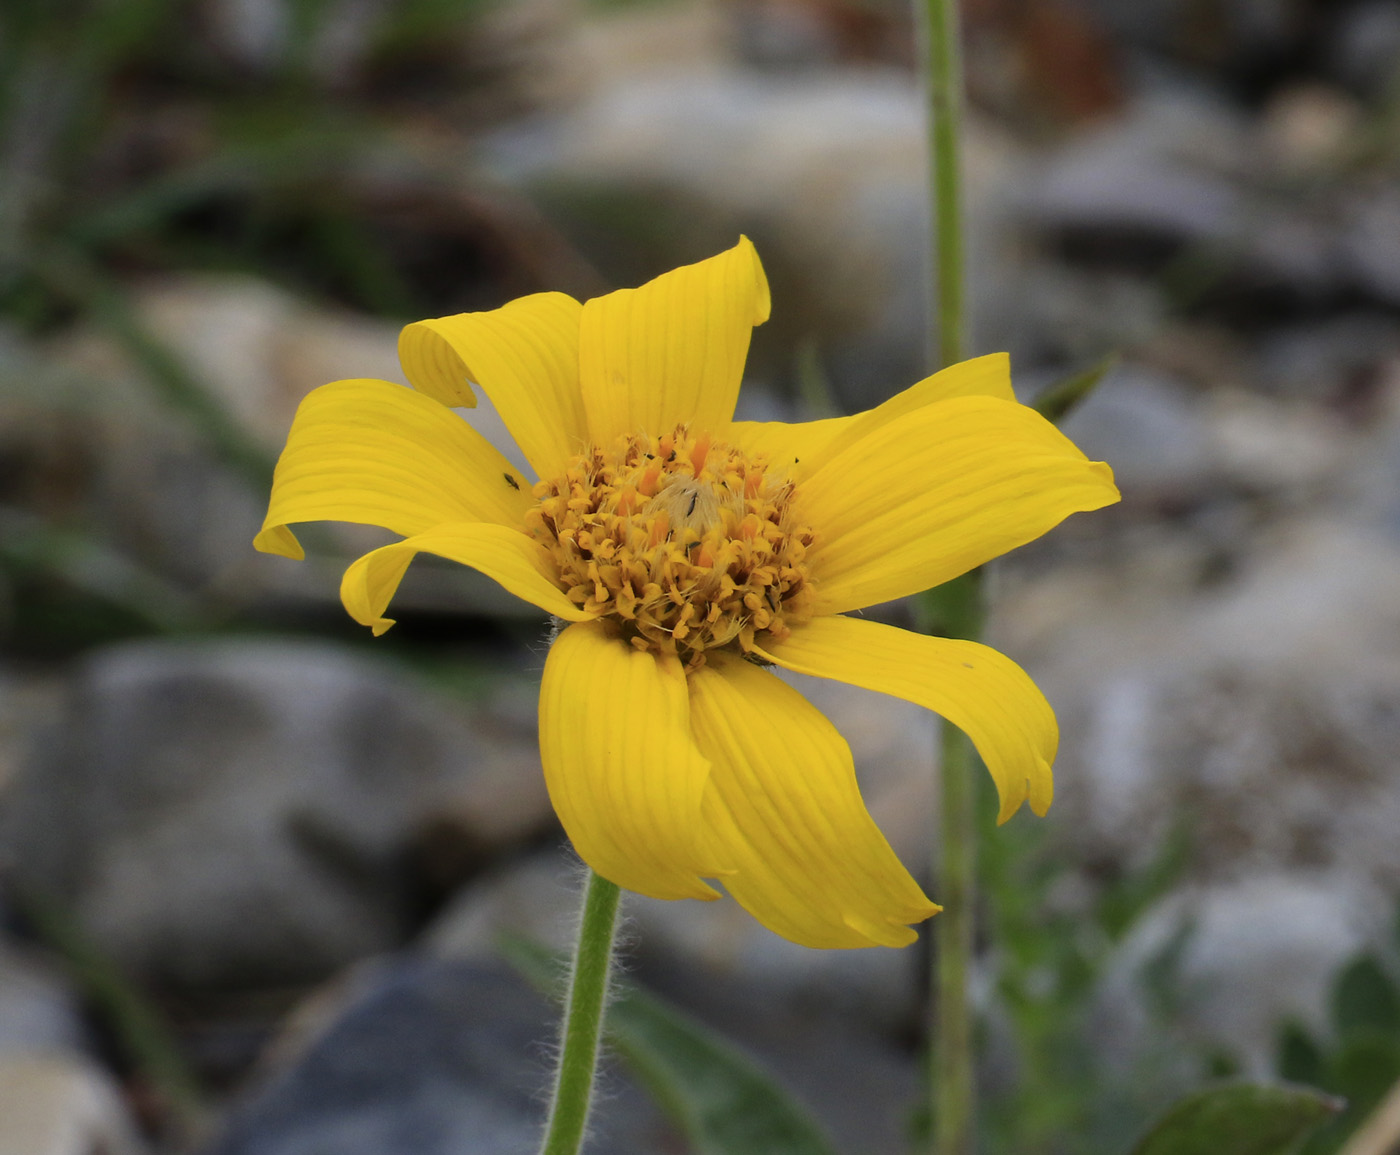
[[797, 446], [525, 355], [623, 773], [672, 350], [936, 492], [809, 444], [379, 454], [784, 807], [504, 554], [982, 692]]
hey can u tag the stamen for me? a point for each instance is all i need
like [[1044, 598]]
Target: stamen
[[680, 541]]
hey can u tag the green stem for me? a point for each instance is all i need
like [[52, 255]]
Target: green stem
[[945, 100], [951, 1066], [583, 1019]]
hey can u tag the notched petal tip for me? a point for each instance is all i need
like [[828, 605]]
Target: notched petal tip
[[1104, 472], [881, 934], [280, 541], [763, 297], [980, 691], [785, 806]]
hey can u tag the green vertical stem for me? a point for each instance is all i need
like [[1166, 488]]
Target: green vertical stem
[[952, 1046], [951, 1066], [583, 1019], [944, 85]]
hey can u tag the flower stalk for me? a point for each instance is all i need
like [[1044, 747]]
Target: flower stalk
[[944, 87], [951, 1067], [583, 1019]]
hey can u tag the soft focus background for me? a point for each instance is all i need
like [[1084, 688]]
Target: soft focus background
[[253, 862]]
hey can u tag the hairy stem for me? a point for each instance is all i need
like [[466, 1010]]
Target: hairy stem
[[583, 1019]]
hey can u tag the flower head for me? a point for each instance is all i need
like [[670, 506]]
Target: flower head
[[688, 552]]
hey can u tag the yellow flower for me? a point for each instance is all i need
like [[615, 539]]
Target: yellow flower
[[690, 551]]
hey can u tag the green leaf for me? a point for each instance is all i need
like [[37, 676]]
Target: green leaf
[[1055, 402], [1364, 1069], [723, 1102], [1300, 1059], [1239, 1119], [1365, 999]]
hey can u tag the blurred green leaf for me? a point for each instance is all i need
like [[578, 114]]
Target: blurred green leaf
[[723, 1102], [1239, 1119], [1300, 1059], [1365, 999], [1364, 1069], [1058, 400]]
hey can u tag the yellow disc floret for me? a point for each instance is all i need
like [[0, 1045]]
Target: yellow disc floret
[[684, 543]]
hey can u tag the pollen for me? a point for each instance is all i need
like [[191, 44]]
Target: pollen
[[682, 542]]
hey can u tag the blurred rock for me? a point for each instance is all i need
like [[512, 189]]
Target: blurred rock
[[536, 896], [1174, 449], [1210, 945], [56, 1106], [1235, 38], [1067, 315], [248, 812], [1255, 718], [1372, 484], [1337, 359], [1289, 455], [1151, 430], [1144, 184], [1365, 45], [1306, 127], [256, 348], [430, 1056], [260, 350], [39, 1014], [1372, 242], [1265, 708]]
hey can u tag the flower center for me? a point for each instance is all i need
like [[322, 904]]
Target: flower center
[[682, 542]]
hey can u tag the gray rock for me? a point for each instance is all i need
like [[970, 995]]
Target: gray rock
[[1372, 485], [1265, 709], [1150, 429], [51, 1105], [1240, 30], [1151, 177], [1365, 45], [1335, 359], [1212, 943], [1261, 714], [1372, 243], [430, 1056], [39, 1013], [244, 812]]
